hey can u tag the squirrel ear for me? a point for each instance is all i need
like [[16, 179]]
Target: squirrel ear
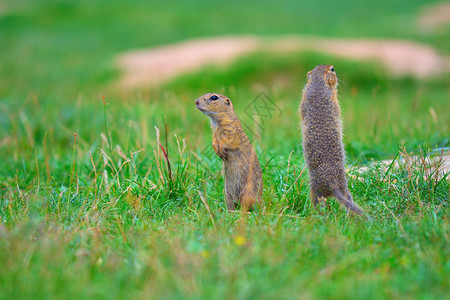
[[308, 75], [227, 102]]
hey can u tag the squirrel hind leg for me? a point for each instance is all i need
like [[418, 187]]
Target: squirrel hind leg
[[314, 197], [248, 200], [347, 200], [231, 204], [319, 200], [318, 197]]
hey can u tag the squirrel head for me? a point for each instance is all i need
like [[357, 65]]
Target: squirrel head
[[214, 105], [323, 74]]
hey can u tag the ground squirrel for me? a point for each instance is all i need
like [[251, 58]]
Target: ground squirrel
[[322, 138], [243, 176]]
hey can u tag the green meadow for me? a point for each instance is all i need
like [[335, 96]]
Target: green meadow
[[91, 208]]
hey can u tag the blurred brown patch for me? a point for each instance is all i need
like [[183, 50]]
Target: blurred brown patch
[[435, 16], [160, 64], [163, 63]]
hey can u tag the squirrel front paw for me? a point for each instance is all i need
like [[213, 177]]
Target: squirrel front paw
[[220, 151], [223, 154]]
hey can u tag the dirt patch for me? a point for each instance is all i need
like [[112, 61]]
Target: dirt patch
[[435, 16], [163, 63], [156, 65], [398, 57], [436, 165]]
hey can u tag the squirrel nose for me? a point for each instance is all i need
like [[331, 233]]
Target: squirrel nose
[[197, 102]]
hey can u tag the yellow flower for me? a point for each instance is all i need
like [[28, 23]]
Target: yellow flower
[[99, 261], [204, 253], [404, 260], [239, 240]]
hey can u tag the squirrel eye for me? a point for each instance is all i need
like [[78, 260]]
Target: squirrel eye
[[214, 98], [332, 69]]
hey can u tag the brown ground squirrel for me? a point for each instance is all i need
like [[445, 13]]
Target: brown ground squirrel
[[322, 138], [243, 176]]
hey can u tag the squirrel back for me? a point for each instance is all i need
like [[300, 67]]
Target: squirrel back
[[323, 148]]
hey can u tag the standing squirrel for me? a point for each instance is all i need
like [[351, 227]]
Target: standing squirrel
[[243, 176], [322, 138]]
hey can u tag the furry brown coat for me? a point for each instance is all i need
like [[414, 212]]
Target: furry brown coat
[[243, 176]]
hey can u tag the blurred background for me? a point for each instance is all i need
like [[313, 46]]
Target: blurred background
[[59, 58], [89, 209]]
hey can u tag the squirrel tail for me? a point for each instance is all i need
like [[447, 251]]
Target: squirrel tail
[[348, 201]]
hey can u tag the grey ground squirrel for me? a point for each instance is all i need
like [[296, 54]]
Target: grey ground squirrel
[[322, 138]]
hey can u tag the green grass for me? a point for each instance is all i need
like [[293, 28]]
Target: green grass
[[99, 217]]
